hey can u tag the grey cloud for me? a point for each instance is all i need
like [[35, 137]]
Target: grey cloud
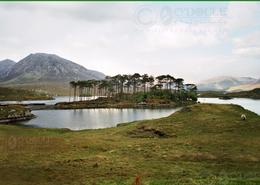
[[105, 37]]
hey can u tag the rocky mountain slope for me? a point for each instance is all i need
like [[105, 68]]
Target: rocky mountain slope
[[42, 67], [5, 66]]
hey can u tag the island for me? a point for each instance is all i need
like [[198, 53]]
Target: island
[[131, 91], [14, 113]]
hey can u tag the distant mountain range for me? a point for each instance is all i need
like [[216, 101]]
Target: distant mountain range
[[227, 83], [42, 67]]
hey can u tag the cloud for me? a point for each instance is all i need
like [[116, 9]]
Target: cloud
[[86, 11], [181, 35], [108, 37], [247, 46], [242, 15]]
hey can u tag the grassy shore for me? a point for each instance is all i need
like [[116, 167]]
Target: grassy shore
[[12, 94], [202, 144]]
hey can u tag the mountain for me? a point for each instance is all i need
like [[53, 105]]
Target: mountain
[[42, 67], [224, 83], [5, 66]]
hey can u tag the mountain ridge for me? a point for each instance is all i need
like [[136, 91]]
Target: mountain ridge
[[5, 66], [43, 67]]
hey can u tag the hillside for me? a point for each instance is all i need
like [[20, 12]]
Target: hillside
[[224, 83], [254, 94], [245, 87], [46, 73], [11, 94], [5, 67], [41, 67], [202, 144]]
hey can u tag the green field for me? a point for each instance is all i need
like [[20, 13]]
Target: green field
[[202, 144]]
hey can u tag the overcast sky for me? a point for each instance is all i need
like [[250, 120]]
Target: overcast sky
[[195, 41]]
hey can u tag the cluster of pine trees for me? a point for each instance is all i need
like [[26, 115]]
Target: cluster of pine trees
[[129, 84]]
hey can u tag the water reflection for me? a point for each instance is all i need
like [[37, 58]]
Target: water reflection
[[93, 118]]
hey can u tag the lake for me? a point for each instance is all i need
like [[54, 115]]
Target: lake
[[80, 119], [104, 118], [250, 104], [47, 102]]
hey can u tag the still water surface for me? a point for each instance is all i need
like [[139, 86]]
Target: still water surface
[[47, 102], [80, 119], [250, 104], [104, 118]]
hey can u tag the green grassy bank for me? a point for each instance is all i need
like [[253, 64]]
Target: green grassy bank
[[202, 144]]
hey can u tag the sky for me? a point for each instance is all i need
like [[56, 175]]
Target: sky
[[195, 41]]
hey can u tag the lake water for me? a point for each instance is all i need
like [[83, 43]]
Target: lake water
[[104, 118], [250, 104], [47, 102], [80, 119]]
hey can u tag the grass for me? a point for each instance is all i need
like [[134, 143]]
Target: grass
[[12, 94], [202, 144]]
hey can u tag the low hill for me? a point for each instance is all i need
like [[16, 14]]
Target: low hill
[[245, 87], [12, 94], [224, 83], [254, 94]]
